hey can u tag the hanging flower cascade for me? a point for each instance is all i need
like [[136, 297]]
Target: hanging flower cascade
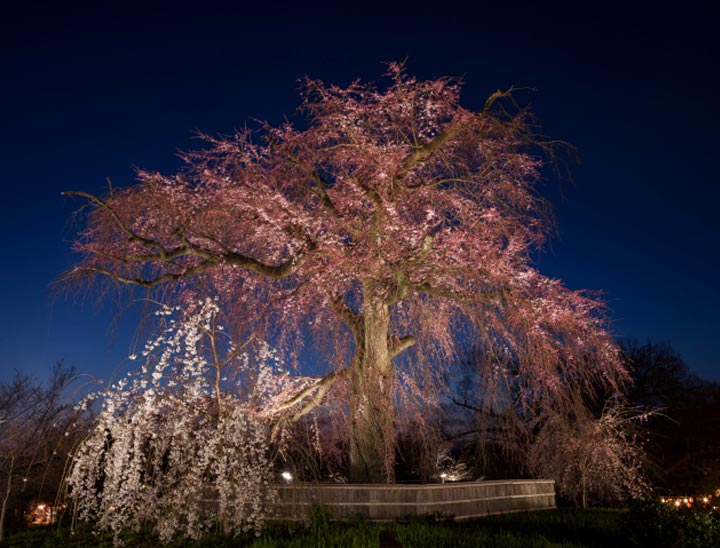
[[174, 446]]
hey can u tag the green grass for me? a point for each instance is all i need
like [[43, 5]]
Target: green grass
[[562, 528], [566, 528]]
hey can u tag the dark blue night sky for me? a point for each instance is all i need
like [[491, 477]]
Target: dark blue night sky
[[88, 93]]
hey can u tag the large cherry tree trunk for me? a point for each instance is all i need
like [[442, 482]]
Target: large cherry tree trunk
[[372, 433]]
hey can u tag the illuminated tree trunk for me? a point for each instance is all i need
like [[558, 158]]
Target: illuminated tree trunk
[[372, 442]]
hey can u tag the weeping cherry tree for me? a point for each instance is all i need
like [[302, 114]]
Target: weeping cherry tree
[[388, 227]]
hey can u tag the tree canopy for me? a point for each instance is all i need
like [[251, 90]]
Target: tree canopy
[[389, 227]]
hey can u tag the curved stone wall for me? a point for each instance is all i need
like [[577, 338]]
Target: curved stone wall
[[460, 500]]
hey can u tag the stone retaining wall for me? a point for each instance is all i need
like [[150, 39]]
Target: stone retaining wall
[[460, 500]]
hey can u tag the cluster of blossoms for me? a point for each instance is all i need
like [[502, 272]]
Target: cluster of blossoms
[[171, 448]]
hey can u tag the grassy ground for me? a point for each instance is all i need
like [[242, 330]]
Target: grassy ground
[[566, 528], [562, 528]]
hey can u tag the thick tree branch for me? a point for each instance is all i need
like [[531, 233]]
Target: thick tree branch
[[423, 153], [399, 268], [494, 98], [321, 184], [164, 255], [320, 388], [312, 404], [99, 202], [127, 280], [397, 345], [423, 252], [351, 319], [269, 271]]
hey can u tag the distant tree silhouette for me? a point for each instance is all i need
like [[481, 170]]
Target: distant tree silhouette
[[39, 428], [683, 436]]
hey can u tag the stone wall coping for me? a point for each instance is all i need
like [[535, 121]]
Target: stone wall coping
[[408, 486]]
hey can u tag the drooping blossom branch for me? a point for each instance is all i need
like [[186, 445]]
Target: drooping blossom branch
[[178, 444]]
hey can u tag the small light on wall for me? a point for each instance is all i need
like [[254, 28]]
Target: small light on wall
[[443, 477], [287, 476]]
